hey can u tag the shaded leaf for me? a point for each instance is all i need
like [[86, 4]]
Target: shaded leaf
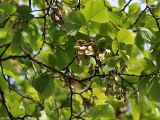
[[103, 111], [43, 84], [154, 87], [25, 11], [4, 22], [7, 8], [74, 21], [107, 29]]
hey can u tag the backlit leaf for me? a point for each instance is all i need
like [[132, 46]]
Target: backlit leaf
[[125, 36], [96, 11]]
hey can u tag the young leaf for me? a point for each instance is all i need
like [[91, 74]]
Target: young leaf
[[115, 46], [96, 11], [125, 36], [146, 34], [134, 8]]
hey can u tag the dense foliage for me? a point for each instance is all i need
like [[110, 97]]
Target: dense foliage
[[79, 59]]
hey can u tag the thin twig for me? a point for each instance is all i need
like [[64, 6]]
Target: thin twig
[[30, 3], [126, 5], [139, 17]]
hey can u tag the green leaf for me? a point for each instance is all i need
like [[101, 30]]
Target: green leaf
[[16, 110], [25, 11], [136, 66], [143, 85], [157, 56], [139, 41], [17, 42], [115, 46], [3, 83], [96, 11], [143, 103], [92, 28], [115, 17], [3, 112], [40, 82], [103, 111], [29, 106], [107, 68], [112, 61], [33, 34], [60, 58], [74, 21], [134, 8], [154, 87], [57, 37], [132, 79], [149, 1], [125, 36], [4, 21], [43, 84], [102, 43], [7, 8], [121, 3], [149, 67], [146, 34], [107, 29], [135, 111]]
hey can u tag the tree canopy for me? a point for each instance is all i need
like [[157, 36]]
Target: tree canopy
[[79, 59]]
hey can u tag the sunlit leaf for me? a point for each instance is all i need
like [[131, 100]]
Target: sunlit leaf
[[126, 36], [134, 8], [146, 34], [115, 46], [96, 11]]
